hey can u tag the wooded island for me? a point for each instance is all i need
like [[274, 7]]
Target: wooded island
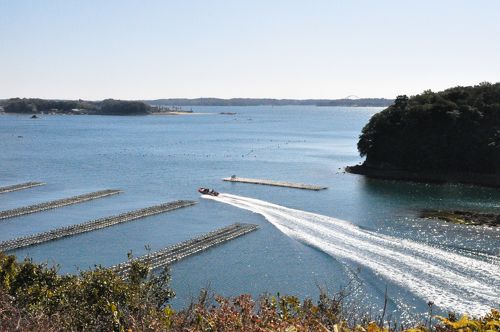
[[104, 107], [452, 135]]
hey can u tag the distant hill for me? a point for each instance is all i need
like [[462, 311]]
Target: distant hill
[[380, 102]]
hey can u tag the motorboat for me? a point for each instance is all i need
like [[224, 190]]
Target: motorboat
[[206, 191]]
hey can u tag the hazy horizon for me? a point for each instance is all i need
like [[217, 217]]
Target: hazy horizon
[[195, 98], [137, 50]]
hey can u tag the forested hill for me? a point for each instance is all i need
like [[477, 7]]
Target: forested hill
[[455, 130], [105, 107], [380, 102]]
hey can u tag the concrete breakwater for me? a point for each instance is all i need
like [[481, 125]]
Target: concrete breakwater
[[20, 186], [56, 203], [184, 249], [91, 225], [275, 183]]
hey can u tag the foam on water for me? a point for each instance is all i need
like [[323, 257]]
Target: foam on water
[[452, 281]]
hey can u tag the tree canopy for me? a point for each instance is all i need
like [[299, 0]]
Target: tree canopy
[[455, 130], [105, 107], [123, 107]]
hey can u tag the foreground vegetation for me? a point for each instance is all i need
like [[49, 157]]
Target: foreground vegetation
[[105, 107], [455, 130], [34, 297]]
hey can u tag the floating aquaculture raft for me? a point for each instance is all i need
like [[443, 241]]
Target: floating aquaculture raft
[[57, 203], [181, 250], [20, 186], [275, 183], [91, 225]]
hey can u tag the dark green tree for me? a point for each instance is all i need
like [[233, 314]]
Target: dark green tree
[[455, 130]]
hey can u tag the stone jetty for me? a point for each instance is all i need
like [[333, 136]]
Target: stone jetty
[[91, 225], [20, 186], [184, 249], [57, 203], [275, 183]]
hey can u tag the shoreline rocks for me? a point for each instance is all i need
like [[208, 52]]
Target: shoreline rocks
[[485, 180], [463, 217]]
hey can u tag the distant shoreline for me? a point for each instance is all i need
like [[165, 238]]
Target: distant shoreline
[[484, 180], [166, 106], [359, 102], [156, 113], [176, 113], [83, 114]]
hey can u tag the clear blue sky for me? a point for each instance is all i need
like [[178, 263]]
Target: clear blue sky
[[94, 49]]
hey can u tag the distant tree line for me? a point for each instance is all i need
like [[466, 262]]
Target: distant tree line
[[455, 130], [362, 102], [123, 107], [269, 102], [105, 107]]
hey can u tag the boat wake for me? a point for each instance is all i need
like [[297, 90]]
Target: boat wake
[[452, 281]]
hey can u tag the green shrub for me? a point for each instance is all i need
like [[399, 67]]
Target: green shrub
[[33, 297]]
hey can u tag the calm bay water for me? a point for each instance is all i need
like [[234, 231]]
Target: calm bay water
[[156, 159]]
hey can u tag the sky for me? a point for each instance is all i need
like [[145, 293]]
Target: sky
[[151, 49]]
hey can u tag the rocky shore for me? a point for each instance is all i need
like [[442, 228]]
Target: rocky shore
[[485, 180], [463, 217]]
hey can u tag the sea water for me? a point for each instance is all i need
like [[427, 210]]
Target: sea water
[[360, 232]]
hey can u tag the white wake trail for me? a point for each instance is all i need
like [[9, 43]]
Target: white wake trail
[[452, 281]]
